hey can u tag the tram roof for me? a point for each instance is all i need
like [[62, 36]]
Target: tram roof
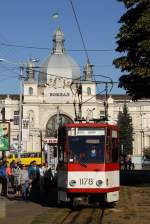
[[91, 125]]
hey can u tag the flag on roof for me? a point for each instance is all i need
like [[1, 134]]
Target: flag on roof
[[55, 15]]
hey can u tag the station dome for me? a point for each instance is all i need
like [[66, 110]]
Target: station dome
[[59, 62]]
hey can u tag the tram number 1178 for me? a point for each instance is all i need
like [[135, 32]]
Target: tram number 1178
[[86, 181]]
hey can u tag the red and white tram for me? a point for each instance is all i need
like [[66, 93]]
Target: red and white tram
[[88, 164]]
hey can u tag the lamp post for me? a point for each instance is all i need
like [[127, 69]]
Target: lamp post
[[3, 120], [20, 110], [41, 146], [21, 66]]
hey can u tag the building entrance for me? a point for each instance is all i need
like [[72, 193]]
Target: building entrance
[[54, 122], [51, 139]]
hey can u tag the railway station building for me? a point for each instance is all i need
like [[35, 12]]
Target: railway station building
[[55, 97]]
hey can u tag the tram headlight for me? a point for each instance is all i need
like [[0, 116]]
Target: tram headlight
[[72, 183], [99, 183]]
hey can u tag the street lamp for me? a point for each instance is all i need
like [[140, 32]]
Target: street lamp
[[89, 114], [41, 146], [22, 66]]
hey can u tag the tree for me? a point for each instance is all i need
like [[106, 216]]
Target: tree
[[147, 152], [126, 131], [133, 40]]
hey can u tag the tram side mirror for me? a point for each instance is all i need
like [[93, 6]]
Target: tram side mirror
[[55, 152]]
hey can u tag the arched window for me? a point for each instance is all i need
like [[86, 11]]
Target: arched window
[[88, 91], [53, 123], [31, 118], [30, 91]]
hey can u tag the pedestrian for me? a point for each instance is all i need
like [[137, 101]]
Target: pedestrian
[[10, 179], [129, 162], [24, 181], [34, 172], [121, 162], [125, 163], [12, 164], [42, 171], [3, 179], [48, 179], [9, 173], [34, 177], [16, 172]]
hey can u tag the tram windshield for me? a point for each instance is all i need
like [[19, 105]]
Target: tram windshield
[[86, 149]]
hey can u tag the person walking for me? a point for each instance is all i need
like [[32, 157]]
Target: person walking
[[24, 181], [42, 170], [129, 162], [3, 179], [10, 180], [34, 177], [34, 172], [16, 172]]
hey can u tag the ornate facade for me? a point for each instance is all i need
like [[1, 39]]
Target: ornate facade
[[56, 97]]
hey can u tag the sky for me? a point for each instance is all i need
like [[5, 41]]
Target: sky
[[29, 23]]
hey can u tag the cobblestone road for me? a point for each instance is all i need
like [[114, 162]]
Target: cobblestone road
[[132, 208]]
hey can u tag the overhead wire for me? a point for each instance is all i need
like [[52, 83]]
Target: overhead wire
[[79, 29], [76, 66], [87, 57], [81, 35], [10, 52], [94, 96], [38, 71], [46, 48], [66, 78], [75, 79]]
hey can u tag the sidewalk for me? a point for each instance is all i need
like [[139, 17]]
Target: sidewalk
[[19, 212]]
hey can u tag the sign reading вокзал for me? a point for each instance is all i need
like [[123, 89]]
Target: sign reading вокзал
[[4, 136]]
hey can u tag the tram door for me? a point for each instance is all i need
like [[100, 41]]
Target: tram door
[[52, 157]]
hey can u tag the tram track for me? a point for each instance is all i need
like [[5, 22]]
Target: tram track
[[133, 207], [84, 216], [101, 216], [70, 217]]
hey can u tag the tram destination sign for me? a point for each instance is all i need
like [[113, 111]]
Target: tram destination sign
[[91, 131], [86, 131]]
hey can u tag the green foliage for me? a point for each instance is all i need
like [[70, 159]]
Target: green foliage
[[147, 152], [126, 131], [133, 40]]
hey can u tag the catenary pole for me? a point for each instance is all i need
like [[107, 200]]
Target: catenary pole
[[20, 110]]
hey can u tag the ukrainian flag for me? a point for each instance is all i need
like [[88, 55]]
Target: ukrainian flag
[[55, 15]]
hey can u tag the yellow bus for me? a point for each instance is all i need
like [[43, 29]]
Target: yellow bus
[[26, 158]]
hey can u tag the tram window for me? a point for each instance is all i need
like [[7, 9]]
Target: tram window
[[86, 150], [114, 150], [108, 147]]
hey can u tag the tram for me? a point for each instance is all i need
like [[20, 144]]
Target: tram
[[88, 165]]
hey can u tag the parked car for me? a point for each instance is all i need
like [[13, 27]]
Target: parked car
[[146, 162]]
